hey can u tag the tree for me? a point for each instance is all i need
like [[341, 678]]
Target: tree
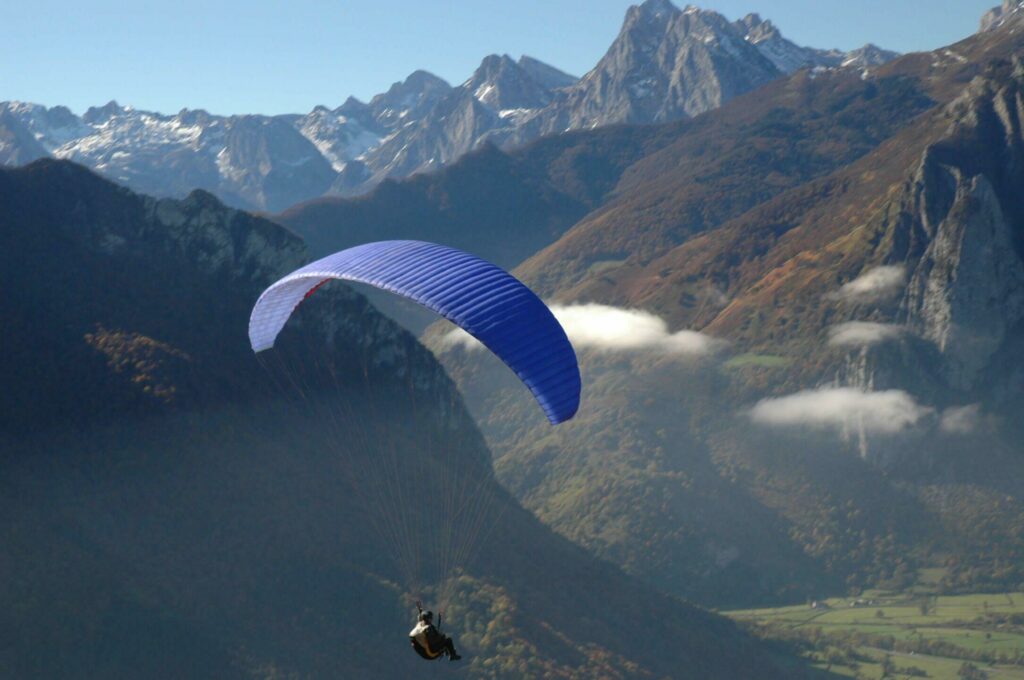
[[888, 667], [968, 671]]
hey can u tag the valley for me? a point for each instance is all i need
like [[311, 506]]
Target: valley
[[914, 633], [792, 284]]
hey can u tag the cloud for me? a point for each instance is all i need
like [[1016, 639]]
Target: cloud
[[874, 284], [457, 337], [961, 419], [886, 412], [862, 333], [613, 329]]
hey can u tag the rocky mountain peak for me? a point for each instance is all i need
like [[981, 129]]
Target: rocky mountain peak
[[789, 57], [353, 107], [97, 115], [417, 85], [752, 20], [666, 64], [502, 84], [192, 117], [652, 10], [758, 30], [410, 98], [61, 116], [546, 75], [869, 55], [493, 66], [997, 16], [420, 80], [704, 22]]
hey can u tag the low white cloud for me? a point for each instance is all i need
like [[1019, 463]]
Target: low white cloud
[[961, 419], [457, 337], [874, 284], [613, 329], [862, 333], [886, 412]]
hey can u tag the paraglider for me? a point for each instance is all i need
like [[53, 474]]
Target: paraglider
[[428, 641], [489, 304], [481, 298]]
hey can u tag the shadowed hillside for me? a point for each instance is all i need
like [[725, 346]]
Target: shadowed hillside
[[169, 512]]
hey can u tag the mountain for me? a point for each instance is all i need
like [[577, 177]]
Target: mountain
[[868, 56], [997, 16], [646, 432], [666, 64], [849, 376], [169, 511], [507, 205], [789, 57], [17, 144], [253, 161], [501, 205], [485, 108], [548, 77]]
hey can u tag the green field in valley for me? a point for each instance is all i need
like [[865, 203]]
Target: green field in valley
[[913, 634]]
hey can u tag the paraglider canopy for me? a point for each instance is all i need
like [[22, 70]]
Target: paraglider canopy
[[484, 300]]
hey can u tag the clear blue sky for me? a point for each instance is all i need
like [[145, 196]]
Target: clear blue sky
[[267, 56]]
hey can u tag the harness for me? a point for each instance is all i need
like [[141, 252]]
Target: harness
[[420, 636], [420, 639], [423, 652]]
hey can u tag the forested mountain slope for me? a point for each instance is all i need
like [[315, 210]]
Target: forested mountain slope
[[168, 511], [836, 265]]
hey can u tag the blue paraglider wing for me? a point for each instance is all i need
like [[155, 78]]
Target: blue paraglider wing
[[484, 300]]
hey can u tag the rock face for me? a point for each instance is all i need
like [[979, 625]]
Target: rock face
[[665, 64], [789, 57], [868, 56], [488, 107], [17, 144], [995, 17], [967, 289]]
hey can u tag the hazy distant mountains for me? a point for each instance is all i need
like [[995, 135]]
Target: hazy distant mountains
[[665, 64]]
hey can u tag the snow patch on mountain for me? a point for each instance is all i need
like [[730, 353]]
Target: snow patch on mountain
[[338, 137]]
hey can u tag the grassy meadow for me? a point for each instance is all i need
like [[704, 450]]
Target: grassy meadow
[[916, 633]]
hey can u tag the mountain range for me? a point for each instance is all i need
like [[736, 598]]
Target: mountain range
[[853, 388], [826, 274], [665, 64], [796, 290]]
